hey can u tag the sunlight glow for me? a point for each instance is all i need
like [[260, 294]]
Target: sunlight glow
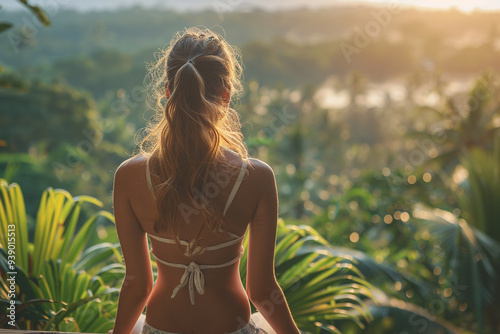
[[463, 5]]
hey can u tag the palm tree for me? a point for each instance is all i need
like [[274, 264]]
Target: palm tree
[[462, 126]]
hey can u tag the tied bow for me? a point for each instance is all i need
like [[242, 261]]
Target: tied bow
[[194, 278]]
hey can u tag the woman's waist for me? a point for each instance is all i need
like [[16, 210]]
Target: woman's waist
[[227, 302], [213, 292], [221, 282]]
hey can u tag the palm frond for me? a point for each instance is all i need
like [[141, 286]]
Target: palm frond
[[472, 257]]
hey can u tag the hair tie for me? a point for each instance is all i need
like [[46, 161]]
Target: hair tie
[[190, 61]]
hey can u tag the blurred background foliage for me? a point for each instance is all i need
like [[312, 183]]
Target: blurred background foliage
[[392, 158]]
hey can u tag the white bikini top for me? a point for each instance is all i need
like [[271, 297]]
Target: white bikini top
[[193, 276]]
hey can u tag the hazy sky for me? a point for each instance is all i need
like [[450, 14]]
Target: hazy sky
[[466, 5], [228, 5]]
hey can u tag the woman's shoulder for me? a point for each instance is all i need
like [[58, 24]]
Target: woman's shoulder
[[259, 166], [131, 165], [260, 174], [256, 169]]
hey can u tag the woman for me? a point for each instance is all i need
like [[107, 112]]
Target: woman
[[194, 191]]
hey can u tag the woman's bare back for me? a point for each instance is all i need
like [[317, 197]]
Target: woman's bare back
[[224, 298]]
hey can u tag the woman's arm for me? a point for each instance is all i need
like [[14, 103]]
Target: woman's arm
[[262, 287], [138, 281]]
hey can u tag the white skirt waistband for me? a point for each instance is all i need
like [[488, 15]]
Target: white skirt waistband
[[249, 328]]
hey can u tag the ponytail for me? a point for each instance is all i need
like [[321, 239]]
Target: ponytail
[[195, 124]]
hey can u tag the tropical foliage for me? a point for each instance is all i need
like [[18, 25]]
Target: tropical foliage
[[321, 288], [60, 284]]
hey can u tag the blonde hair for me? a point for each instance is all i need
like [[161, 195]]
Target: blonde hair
[[184, 142]]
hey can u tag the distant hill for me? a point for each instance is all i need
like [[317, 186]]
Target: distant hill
[[294, 46]]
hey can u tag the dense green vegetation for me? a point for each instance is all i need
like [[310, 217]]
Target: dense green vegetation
[[405, 189]]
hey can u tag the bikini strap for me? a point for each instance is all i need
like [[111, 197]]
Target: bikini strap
[[225, 244], [148, 177], [190, 251], [235, 187], [198, 250]]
